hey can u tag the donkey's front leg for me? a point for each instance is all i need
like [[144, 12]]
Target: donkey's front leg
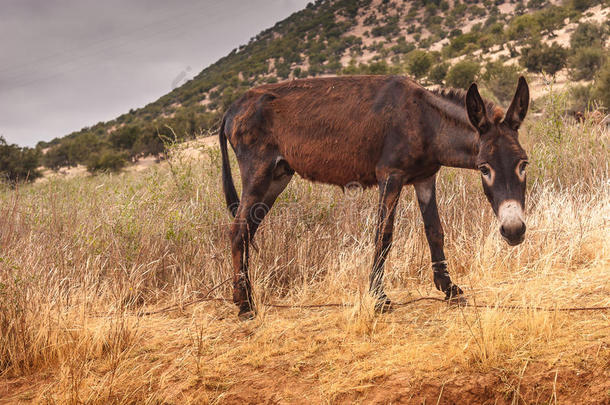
[[426, 196], [390, 186]]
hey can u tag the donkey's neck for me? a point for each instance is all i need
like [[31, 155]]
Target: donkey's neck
[[459, 146], [456, 141]]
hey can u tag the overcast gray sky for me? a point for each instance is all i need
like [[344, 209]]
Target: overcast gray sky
[[66, 64]]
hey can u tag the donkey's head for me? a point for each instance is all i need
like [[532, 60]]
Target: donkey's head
[[502, 160]]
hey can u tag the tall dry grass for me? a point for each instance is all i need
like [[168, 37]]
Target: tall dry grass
[[80, 258]]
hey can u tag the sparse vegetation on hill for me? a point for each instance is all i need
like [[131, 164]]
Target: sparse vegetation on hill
[[419, 38]]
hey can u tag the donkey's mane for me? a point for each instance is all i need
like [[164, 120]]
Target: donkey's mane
[[458, 98]]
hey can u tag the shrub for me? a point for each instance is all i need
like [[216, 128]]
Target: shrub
[[148, 143], [283, 71], [391, 28], [106, 161], [587, 35], [523, 26], [458, 44], [462, 74], [17, 163], [535, 4], [419, 62], [582, 5], [544, 58], [438, 73], [501, 80], [402, 46], [601, 88], [125, 137], [377, 68], [581, 98], [585, 63], [551, 18], [61, 155]]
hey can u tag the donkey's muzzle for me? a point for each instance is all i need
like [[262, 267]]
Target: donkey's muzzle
[[513, 233], [512, 225]]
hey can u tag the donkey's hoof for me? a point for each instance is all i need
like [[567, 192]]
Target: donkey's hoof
[[384, 306], [455, 296], [246, 311], [246, 314]]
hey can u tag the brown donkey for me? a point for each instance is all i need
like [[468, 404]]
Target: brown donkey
[[374, 130]]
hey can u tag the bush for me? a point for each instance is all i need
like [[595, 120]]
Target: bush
[[585, 63], [551, 18], [391, 28], [124, 137], [458, 45], [582, 5], [402, 46], [524, 26], [17, 163], [587, 35], [148, 143], [601, 88], [106, 161], [501, 80], [581, 98], [544, 58], [419, 62], [438, 73], [462, 74], [62, 155]]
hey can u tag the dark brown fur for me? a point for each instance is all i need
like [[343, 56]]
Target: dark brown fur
[[374, 130]]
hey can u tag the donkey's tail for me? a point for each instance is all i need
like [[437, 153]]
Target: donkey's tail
[[227, 180]]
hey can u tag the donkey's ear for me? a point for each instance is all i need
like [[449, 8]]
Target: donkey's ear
[[476, 109], [518, 108]]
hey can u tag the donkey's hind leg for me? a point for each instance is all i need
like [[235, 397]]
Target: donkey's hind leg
[[390, 187], [426, 197], [261, 186]]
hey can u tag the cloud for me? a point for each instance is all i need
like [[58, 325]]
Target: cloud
[[70, 64]]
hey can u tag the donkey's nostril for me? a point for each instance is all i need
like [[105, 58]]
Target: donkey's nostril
[[502, 231], [513, 232]]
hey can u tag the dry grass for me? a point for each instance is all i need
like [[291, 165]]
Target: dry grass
[[81, 257]]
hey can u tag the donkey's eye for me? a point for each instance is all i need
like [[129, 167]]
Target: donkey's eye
[[522, 166], [484, 170]]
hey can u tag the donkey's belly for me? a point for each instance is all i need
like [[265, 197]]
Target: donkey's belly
[[332, 160]]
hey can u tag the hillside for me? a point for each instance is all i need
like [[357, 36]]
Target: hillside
[[441, 42]]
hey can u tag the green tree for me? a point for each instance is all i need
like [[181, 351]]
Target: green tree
[[582, 5], [60, 155], [148, 143], [588, 35], [462, 74], [501, 79], [125, 137], [585, 63], [106, 161], [524, 26], [17, 163], [438, 73], [601, 88], [418, 63], [581, 98], [541, 57], [551, 18]]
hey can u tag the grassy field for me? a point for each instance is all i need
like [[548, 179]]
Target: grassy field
[[82, 259]]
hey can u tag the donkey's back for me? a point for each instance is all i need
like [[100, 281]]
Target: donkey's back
[[330, 130]]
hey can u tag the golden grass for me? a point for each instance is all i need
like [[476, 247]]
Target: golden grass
[[80, 258]]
